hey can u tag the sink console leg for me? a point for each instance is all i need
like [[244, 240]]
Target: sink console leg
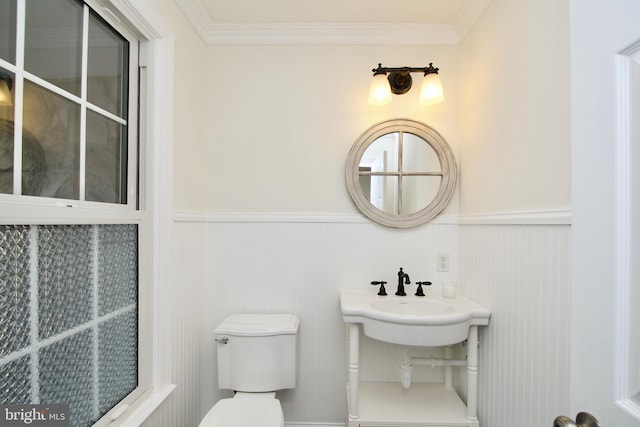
[[472, 374], [354, 367]]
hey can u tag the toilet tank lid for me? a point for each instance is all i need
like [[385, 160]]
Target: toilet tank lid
[[259, 325]]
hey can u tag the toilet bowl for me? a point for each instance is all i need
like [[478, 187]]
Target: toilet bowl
[[261, 410], [257, 355]]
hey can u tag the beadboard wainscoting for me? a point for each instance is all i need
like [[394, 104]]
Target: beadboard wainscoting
[[282, 263], [181, 310], [299, 264], [522, 274]]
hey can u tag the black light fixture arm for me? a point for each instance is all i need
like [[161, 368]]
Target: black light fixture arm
[[400, 77], [425, 70]]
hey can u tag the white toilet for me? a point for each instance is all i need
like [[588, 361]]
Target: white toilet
[[257, 355]]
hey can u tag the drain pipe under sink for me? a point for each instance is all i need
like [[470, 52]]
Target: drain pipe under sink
[[405, 374], [407, 366]]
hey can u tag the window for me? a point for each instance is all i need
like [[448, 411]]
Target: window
[[70, 75], [72, 234]]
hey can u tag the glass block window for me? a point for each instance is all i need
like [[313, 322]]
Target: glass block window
[[70, 71], [69, 316]]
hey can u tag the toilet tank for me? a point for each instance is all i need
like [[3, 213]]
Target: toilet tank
[[257, 352]]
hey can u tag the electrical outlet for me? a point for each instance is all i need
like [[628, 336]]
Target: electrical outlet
[[442, 261]]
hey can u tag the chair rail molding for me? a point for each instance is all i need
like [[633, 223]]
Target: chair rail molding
[[287, 217], [541, 217]]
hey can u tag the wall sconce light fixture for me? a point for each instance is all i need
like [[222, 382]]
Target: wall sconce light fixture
[[397, 80], [6, 83]]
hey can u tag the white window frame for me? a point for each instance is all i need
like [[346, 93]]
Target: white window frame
[[131, 121], [133, 19]]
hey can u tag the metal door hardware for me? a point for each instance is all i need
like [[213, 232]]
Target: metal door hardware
[[583, 419]]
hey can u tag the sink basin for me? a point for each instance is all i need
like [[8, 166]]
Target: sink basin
[[418, 321], [411, 307]]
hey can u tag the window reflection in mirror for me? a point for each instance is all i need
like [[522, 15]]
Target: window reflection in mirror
[[397, 173]]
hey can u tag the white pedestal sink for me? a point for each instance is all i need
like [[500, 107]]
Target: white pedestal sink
[[420, 321], [429, 321]]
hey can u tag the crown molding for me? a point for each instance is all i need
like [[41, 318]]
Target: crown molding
[[468, 16], [331, 33], [315, 33]]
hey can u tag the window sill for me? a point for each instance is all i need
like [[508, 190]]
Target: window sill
[[27, 210], [143, 407]]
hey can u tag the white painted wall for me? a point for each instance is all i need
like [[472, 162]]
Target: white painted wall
[[281, 120], [189, 161], [514, 109]]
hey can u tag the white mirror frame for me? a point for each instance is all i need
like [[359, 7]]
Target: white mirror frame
[[448, 165]]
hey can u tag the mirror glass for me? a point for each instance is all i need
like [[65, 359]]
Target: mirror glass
[[401, 173], [393, 173]]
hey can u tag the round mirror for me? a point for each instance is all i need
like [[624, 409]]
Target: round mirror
[[401, 173]]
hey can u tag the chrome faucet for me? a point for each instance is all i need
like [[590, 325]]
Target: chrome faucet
[[403, 279]]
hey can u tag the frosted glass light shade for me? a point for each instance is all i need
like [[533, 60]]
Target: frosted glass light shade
[[5, 94], [431, 92], [379, 92]]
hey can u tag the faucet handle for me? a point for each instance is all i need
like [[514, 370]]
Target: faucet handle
[[382, 290], [419, 291]]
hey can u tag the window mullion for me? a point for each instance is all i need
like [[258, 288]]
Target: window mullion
[[95, 316], [105, 113], [83, 104], [18, 103], [33, 307], [50, 87]]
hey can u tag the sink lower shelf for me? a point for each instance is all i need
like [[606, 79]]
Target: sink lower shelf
[[424, 404]]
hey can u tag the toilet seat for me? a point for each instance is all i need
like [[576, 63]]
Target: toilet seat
[[240, 412]]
